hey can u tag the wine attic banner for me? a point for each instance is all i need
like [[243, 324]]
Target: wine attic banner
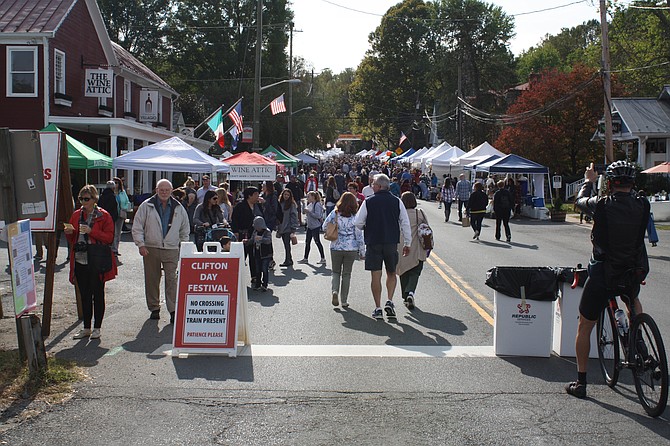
[[98, 83]]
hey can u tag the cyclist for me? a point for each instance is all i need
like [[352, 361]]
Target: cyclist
[[619, 223]]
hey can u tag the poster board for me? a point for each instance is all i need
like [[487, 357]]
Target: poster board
[[21, 267], [51, 152], [252, 172], [211, 312]]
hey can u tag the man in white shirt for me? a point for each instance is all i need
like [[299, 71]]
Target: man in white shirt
[[206, 185]]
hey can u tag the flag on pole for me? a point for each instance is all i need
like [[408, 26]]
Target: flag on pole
[[216, 124], [403, 138], [233, 134], [235, 115], [278, 105]]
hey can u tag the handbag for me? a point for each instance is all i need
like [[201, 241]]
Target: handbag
[[99, 257], [425, 232], [465, 221], [294, 239], [331, 230]]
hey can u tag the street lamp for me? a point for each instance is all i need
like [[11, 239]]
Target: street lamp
[[302, 109], [257, 107]]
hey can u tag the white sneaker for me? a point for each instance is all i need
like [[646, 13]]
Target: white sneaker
[[83, 333], [95, 334]]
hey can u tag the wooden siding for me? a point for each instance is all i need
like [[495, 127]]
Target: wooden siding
[[22, 113], [70, 40]]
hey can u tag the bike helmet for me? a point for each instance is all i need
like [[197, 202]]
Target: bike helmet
[[621, 173]]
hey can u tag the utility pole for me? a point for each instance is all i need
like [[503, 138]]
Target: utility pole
[[459, 115], [607, 85], [290, 89], [257, 80]]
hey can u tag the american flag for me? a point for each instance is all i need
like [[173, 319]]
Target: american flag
[[235, 115], [403, 138], [278, 105]]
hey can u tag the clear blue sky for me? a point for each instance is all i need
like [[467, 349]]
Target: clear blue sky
[[335, 32]]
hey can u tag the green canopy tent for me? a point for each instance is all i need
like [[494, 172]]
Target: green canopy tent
[[81, 156], [280, 156]]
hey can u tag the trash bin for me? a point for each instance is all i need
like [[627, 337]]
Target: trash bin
[[522, 309], [566, 312]]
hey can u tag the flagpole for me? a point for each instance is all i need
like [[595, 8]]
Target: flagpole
[[207, 119], [224, 114]]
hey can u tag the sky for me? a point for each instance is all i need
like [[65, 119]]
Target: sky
[[335, 37]]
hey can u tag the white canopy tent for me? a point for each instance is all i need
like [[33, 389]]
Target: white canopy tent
[[417, 161], [416, 155], [481, 152], [443, 163], [432, 153], [170, 155]]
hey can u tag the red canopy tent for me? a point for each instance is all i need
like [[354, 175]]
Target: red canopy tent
[[246, 166]]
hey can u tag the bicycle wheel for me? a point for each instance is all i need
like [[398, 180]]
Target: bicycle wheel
[[651, 366], [609, 350]]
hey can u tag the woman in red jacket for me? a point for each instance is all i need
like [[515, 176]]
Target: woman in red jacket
[[89, 224]]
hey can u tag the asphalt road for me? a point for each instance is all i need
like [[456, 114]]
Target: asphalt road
[[319, 375]]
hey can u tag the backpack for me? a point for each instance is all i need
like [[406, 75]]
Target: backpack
[[336, 194]]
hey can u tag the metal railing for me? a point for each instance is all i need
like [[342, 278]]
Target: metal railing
[[572, 189]]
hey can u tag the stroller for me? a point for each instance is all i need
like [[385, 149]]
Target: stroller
[[214, 233]]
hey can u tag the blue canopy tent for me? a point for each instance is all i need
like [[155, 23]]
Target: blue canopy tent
[[404, 155], [307, 158], [516, 164]]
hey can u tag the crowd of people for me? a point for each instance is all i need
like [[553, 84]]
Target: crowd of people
[[351, 195]]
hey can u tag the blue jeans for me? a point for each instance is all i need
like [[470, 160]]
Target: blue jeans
[[262, 271]]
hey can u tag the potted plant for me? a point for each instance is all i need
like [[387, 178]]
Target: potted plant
[[558, 211]]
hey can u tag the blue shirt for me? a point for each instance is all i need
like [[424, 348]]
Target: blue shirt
[[164, 214]]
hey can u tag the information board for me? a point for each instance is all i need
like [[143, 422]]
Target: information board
[[21, 266], [50, 143], [211, 300]]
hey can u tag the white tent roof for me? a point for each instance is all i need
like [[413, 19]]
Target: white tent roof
[[226, 154], [416, 155], [170, 155], [445, 158], [482, 151], [432, 153]]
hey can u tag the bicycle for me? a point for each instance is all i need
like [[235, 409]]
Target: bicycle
[[639, 349]]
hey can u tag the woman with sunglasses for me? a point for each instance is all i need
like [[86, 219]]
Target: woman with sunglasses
[[89, 224], [208, 215]]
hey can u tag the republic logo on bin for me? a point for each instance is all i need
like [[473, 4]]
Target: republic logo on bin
[[523, 308]]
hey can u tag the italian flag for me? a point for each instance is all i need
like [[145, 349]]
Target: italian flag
[[216, 124]]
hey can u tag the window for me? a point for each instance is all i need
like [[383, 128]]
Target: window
[[127, 91], [59, 72], [22, 71], [656, 145]]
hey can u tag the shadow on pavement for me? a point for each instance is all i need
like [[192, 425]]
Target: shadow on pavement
[[446, 324], [266, 299], [659, 425], [149, 338], [397, 332], [86, 352], [661, 258], [287, 275], [214, 368], [62, 336]]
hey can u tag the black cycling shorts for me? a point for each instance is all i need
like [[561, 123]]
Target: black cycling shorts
[[375, 255], [595, 296]]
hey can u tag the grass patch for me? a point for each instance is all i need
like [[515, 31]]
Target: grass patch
[[50, 386], [662, 227]]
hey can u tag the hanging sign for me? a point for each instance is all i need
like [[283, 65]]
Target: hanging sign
[[148, 106], [247, 134], [99, 83]]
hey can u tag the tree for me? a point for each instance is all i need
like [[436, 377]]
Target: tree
[[561, 137], [640, 47], [474, 36], [137, 25], [393, 78]]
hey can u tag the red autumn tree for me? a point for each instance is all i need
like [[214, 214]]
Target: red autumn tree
[[560, 137]]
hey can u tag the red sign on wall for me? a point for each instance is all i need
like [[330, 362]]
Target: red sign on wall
[[206, 314]]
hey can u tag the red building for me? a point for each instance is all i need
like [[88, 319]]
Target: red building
[[60, 67]]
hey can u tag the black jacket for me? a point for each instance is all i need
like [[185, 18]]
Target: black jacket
[[107, 201]]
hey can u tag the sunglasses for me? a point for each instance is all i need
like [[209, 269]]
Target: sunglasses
[[85, 199]]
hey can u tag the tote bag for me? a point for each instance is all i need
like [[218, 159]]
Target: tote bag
[[331, 230]]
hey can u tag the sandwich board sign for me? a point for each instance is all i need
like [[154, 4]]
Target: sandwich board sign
[[211, 314]]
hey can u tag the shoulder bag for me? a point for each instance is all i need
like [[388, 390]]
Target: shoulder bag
[[99, 257], [331, 230], [425, 232]]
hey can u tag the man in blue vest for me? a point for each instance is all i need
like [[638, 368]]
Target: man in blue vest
[[383, 218]]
